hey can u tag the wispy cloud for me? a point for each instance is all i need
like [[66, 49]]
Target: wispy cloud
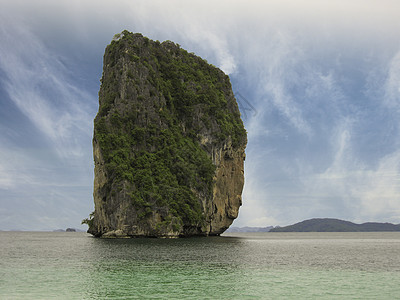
[[6, 181], [353, 187], [322, 75], [337, 168], [392, 85], [218, 45], [38, 83]]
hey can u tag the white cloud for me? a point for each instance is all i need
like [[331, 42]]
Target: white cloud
[[301, 63], [6, 182], [37, 82], [254, 212], [220, 47], [362, 193], [13, 168], [379, 190], [392, 85], [279, 72]]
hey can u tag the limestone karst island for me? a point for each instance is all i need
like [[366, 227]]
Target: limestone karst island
[[168, 144]]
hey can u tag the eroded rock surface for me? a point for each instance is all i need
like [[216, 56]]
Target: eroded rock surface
[[168, 144]]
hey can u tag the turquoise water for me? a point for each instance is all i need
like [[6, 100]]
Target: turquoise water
[[46, 265]]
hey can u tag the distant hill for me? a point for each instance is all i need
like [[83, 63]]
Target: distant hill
[[69, 230], [249, 229], [335, 225]]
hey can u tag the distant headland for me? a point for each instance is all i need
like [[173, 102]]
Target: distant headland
[[336, 225]]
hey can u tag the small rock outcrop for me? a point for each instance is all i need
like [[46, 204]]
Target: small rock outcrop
[[168, 143]]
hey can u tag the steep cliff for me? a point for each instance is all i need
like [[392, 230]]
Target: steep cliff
[[168, 144]]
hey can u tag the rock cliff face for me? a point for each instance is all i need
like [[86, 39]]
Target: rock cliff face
[[168, 144]]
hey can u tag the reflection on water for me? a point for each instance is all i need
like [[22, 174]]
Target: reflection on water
[[264, 265]]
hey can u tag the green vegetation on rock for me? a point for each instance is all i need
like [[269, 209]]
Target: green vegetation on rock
[[157, 103]]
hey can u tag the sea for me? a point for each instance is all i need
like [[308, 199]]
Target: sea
[[73, 265]]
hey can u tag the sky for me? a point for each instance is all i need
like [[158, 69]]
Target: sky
[[317, 82]]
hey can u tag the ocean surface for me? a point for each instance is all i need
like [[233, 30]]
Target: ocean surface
[[64, 265]]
